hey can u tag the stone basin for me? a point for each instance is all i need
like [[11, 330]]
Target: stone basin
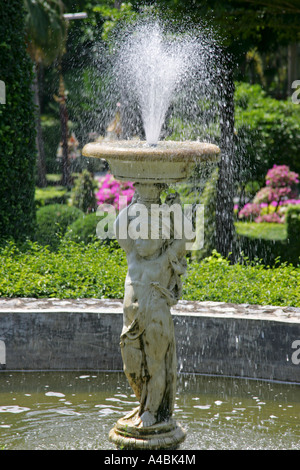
[[167, 162]]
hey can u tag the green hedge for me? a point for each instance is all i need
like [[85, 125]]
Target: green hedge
[[51, 137], [293, 231], [98, 270], [52, 223], [277, 242], [17, 127], [84, 229], [51, 195]]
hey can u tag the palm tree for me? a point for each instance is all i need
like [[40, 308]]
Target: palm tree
[[46, 34]]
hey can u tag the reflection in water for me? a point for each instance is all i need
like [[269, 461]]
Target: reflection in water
[[70, 410]]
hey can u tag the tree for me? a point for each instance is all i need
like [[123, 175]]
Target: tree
[[46, 33], [17, 129]]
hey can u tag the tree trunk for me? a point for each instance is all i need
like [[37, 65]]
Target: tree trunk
[[225, 230], [41, 163]]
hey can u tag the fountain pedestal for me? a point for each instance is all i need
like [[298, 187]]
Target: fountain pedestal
[[156, 263], [165, 435]]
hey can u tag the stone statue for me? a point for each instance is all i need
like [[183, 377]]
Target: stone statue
[[152, 286]]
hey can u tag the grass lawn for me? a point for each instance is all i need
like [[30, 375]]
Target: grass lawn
[[267, 231]]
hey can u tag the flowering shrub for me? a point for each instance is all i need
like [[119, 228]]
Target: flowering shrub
[[262, 196], [111, 189], [280, 176], [271, 202], [271, 218], [249, 211]]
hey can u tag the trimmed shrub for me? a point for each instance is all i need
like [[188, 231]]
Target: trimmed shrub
[[83, 195], [52, 223], [51, 195], [208, 198], [83, 229], [98, 270], [17, 127], [51, 136], [293, 224], [293, 232], [270, 246]]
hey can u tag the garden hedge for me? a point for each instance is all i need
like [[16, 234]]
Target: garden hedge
[[52, 223], [268, 251], [17, 127], [98, 270]]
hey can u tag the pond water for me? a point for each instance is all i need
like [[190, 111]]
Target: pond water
[[76, 410]]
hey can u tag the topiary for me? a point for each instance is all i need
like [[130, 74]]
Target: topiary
[[208, 199], [53, 221], [17, 126], [83, 195], [293, 233]]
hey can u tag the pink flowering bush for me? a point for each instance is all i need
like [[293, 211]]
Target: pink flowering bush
[[271, 202], [271, 218], [110, 190], [262, 196], [249, 211], [280, 176]]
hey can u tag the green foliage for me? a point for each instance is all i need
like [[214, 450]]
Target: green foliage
[[98, 270], [293, 223], [270, 242], [112, 16], [293, 231], [83, 229], [268, 128], [74, 271], [83, 195], [52, 223], [215, 279], [46, 29], [267, 231], [17, 127], [51, 195], [51, 137], [208, 198]]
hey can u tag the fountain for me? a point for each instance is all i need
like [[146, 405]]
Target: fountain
[[156, 260]]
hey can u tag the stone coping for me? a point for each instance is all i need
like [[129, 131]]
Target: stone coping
[[211, 337], [184, 307]]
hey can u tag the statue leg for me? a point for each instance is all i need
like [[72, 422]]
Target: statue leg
[[160, 356], [133, 364]]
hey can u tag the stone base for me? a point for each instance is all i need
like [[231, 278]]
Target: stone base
[[163, 436]]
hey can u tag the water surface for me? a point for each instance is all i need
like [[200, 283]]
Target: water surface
[[76, 410]]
